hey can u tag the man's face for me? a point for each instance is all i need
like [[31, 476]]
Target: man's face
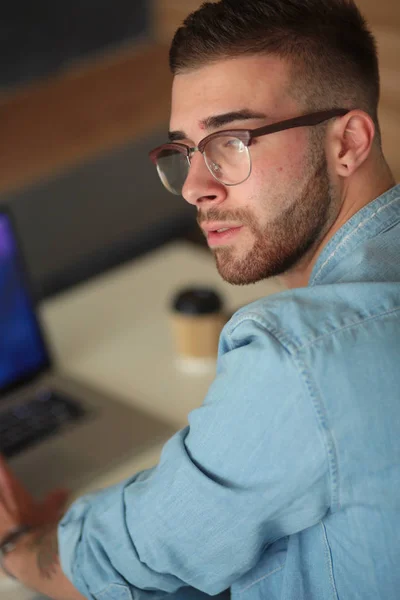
[[284, 208]]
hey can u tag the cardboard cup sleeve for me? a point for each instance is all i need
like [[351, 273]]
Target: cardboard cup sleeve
[[197, 319]]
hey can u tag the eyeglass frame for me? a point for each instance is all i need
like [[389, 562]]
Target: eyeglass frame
[[246, 136]]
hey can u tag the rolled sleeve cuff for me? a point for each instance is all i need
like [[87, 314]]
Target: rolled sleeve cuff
[[69, 536]]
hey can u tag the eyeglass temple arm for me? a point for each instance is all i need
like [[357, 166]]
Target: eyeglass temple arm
[[304, 121]]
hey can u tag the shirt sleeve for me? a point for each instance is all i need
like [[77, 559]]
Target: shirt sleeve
[[250, 468]]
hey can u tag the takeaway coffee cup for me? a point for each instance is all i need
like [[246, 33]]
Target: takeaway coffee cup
[[197, 318]]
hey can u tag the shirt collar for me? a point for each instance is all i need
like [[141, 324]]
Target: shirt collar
[[365, 224]]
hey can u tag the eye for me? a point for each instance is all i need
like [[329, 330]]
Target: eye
[[235, 144]]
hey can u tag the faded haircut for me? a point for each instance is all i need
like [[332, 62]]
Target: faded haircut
[[330, 50]]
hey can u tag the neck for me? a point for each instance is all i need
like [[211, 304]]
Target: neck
[[352, 197]]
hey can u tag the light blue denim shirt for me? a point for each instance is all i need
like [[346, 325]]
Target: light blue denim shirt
[[286, 483]]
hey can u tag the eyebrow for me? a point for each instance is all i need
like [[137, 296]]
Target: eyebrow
[[217, 121]]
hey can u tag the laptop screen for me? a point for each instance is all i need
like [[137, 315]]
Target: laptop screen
[[22, 349]]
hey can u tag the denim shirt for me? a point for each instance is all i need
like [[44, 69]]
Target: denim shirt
[[286, 483]]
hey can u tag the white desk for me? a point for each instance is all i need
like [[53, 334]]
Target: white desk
[[113, 333]]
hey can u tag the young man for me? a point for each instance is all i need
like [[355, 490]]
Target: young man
[[287, 482]]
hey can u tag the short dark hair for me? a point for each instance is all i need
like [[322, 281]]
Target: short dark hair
[[327, 43]]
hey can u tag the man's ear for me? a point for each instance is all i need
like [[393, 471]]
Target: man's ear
[[352, 137]]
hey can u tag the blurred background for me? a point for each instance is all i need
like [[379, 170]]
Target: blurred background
[[84, 95]]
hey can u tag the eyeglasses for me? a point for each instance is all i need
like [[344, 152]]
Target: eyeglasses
[[226, 153]]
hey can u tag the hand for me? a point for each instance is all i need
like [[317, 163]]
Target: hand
[[18, 507], [35, 560]]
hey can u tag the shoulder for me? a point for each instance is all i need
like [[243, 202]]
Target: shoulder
[[297, 318]]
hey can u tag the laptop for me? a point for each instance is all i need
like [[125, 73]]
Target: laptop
[[54, 431]]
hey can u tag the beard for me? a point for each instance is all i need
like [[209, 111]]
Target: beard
[[281, 244]]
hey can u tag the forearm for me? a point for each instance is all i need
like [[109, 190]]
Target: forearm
[[35, 562]]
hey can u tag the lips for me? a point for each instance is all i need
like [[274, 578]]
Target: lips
[[220, 234], [219, 227]]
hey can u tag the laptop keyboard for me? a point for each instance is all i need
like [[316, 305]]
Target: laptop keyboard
[[33, 421]]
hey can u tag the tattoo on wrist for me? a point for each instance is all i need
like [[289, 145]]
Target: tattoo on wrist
[[45, 545]]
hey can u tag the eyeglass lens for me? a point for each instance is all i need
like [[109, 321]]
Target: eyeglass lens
[[173, 168], [227, 158]]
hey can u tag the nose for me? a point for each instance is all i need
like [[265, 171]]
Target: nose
[[200, 186]]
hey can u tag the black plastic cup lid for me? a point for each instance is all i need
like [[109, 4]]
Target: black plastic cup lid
[[197, 301]]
